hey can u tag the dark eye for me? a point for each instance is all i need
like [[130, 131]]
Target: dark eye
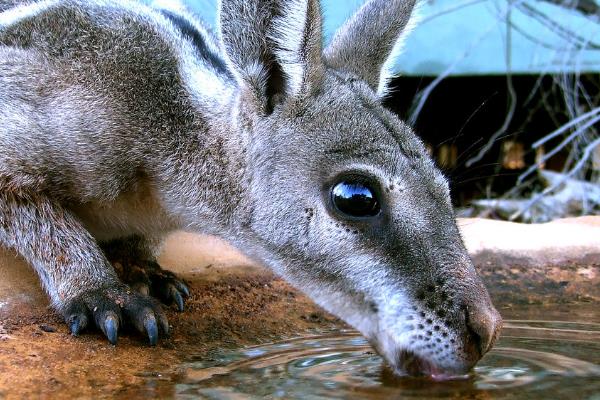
[[355, 199]]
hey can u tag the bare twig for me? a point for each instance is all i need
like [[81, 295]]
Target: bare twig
[[423, 96], [565, 127], [586, 155], [586, 7], [558, 148], [512, 105]]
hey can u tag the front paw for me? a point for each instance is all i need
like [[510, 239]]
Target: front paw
[[150, 279], [111, 308]]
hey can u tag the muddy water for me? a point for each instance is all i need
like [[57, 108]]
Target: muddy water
[[544, 352]]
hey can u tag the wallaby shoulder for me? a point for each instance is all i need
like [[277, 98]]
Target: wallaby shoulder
[[84, 30], [108, 84], [141, 58]]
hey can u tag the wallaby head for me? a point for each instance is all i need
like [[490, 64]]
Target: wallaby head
[[343, 199]]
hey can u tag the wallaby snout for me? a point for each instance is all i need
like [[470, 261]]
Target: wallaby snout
[[483, 327], [439, 329], [480, 333], [483, 324]]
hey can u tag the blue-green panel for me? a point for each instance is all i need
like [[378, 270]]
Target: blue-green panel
[[466, 37]]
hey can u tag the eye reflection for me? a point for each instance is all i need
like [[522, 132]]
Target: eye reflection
[[355, 199]]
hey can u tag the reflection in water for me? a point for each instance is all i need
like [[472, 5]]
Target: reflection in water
[[534, 359]]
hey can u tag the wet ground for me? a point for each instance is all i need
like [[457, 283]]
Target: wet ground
[[233, 307], [544, 352]]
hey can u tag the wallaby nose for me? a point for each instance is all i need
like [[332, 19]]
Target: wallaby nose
[[483, 324]]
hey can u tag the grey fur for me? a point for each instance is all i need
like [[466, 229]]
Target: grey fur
[[372, 38], [116, 121]]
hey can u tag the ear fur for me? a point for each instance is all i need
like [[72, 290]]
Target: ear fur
[[367, 44], [274, 47]]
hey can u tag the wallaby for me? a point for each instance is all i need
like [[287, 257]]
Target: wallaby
[[121, 122]]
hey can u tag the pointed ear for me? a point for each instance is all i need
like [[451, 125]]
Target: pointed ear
[[367, 44], [274, 48]]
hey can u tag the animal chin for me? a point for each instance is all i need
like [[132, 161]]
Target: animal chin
[[411, 364], [414, 365]]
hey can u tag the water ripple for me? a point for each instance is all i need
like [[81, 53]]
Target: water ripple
[[534, 359]]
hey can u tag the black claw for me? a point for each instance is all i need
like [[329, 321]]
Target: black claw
[[152, 329], [178, 299], [77, 323], [75, 328], [164, 323], [110, 328], [182, 287]]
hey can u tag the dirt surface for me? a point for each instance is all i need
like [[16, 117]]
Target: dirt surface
[[234, 303], [40, 359], [516, 280]]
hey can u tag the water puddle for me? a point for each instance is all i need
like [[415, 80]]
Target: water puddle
[[549, 352]]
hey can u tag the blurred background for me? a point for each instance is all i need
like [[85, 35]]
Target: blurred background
[[506, 94]]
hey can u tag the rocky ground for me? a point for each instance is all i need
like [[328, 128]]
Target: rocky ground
[[234, 303]]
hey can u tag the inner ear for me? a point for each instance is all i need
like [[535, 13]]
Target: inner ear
[[274, 48], [275, 86]]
